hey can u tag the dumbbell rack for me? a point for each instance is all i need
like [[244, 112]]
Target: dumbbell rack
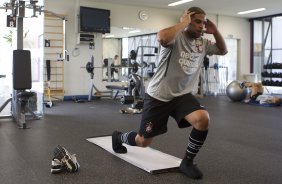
[[272, 74]]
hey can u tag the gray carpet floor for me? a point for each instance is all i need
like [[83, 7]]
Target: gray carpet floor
[[244, 145]]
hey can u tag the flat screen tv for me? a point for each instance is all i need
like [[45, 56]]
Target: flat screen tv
[[94, 20]]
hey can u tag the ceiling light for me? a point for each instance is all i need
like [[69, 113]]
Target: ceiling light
[[134, 31], [109, 36], [179, 2], [126, 28], [251, 11]]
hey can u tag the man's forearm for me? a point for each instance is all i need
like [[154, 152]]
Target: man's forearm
[[220, 43], [167, 35]]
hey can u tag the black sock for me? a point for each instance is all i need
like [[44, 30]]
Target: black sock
[[196, 141], [129, 138]]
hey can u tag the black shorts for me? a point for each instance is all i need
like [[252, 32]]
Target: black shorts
[[156, 113]]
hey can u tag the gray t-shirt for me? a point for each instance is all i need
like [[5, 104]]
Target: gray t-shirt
[[179, 67]]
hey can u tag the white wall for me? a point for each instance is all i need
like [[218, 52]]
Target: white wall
[[77, 79], [239, 29]]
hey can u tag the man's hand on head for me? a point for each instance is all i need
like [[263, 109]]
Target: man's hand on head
[[210, 27], [186, 17]]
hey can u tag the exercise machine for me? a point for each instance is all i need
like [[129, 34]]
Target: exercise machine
[[111, 69], [135, 95], [135, 92], [148, 67], [136, 87], [98, 94], [21, 95], [22, 84]]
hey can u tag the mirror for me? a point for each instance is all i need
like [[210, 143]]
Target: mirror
[[117, 46]]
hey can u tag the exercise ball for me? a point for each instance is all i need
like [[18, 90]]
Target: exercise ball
[[236, 91]]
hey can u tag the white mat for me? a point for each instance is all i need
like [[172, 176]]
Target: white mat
[[148, 159]]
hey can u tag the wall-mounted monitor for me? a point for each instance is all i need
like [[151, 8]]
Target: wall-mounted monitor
[[94, 20]]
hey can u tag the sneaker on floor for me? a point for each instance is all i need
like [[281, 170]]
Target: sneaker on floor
[[66, 158], [117, 144], [57, 166], [190, 169]]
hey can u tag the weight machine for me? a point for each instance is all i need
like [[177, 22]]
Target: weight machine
[[98, 94], [136, 87], [135, 95], [22, 82], [21, 96]]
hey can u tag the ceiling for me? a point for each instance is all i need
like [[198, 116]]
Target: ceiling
[[220, 7], [217, 7]]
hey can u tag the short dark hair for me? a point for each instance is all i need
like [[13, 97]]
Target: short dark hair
[[197, 10]]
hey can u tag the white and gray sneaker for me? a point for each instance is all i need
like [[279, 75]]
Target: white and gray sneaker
[[57, 166], [68, 160]]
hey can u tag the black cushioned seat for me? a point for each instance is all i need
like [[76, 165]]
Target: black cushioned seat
[[115, 87], [25, 94]]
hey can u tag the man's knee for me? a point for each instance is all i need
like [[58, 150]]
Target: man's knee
[[143, 142], [199, 119], [203, 121]]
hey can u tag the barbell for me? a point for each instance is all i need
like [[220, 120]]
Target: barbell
[[135, 66]]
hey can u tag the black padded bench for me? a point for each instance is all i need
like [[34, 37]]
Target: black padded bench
[[117, 89]]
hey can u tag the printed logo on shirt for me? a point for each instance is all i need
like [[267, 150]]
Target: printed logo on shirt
[[199, 46], [189, 62]]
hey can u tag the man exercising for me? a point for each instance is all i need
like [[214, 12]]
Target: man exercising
[[169, 92]]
